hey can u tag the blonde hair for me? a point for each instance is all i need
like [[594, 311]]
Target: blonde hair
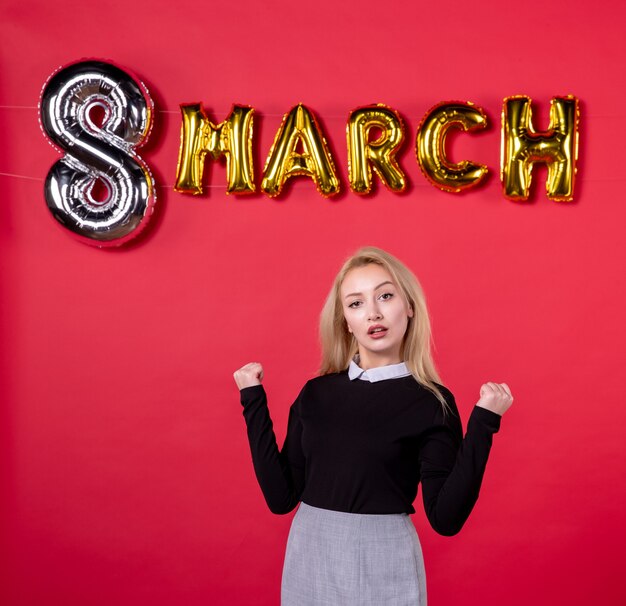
[[339, 345]]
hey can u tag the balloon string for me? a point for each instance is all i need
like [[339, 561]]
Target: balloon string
[[17, 107], [262, 114], [158, 184], [167, 111], [26, 177], [21, 177], [343, 117]]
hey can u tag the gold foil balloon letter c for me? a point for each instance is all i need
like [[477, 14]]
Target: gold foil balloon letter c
[[431, 146], [299, 127], [522, 147], [231, 138], [363, 154]]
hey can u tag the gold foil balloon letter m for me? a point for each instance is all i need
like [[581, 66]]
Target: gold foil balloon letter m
[[231, 138], [522, 147]]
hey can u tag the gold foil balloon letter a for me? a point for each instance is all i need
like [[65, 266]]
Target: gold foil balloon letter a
[[363, 154], [299, 128], [431, 146], [522, 147], [231, 138]]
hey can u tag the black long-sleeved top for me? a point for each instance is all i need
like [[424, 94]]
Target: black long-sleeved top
[[362, 447]]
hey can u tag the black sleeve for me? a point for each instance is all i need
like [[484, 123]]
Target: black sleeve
[[452, 468], [280, 473]]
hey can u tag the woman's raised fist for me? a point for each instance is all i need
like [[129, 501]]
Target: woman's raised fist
[[249, 375], [495, 397]]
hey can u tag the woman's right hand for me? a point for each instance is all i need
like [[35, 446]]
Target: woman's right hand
[[249, 375], [495, 397]]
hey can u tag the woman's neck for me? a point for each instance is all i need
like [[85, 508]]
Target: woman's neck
[[375, 362]]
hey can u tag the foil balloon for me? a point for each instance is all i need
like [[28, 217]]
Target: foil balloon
[[523, 147], [378, 154], [231, 139], [299, 129], [431, 146], [100, 190]]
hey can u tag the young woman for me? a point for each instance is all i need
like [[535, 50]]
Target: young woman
[[360, 437]]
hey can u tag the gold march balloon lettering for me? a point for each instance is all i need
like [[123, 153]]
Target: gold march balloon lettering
[[374, 135]]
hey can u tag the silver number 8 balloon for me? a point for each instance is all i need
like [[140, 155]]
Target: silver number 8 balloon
[[101, 190]]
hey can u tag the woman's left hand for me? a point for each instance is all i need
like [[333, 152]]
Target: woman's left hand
[[495, 397]]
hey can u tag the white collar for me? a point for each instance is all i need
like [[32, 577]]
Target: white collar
[[380, 373]]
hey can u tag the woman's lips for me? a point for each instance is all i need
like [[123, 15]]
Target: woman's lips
[[378, 334]]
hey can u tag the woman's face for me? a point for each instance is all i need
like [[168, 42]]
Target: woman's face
[[376, 313]]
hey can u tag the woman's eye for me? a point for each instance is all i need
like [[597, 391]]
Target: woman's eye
[[354, 304], [388, 295]]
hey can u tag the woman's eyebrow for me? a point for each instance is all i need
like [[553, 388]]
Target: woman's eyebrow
[[353, 294]]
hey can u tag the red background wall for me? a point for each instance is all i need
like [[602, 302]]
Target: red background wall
[[126, 476]]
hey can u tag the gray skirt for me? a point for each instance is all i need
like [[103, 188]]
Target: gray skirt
[[352, 559]]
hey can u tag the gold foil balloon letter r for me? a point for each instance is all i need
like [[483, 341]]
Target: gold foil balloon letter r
[[365, 155]]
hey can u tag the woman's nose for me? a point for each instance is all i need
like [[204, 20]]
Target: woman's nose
[[373, 312]]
